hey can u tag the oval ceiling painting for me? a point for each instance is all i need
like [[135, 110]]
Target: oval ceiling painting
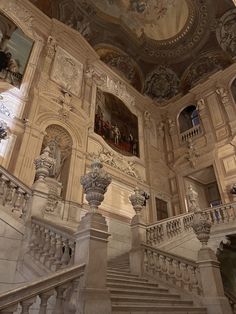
[[157, 19]]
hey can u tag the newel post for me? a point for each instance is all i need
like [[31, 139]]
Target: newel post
[[209, 267], [91, 244], [138, 232]]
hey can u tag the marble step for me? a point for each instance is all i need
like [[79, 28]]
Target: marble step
[[156, 309], [137, 299], [130, 286], [148, 293], [137, 282]]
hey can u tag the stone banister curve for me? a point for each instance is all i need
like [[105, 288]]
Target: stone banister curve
[[44, 288]]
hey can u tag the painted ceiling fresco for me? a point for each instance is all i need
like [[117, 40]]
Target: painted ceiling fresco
[[163, 48], [158, 20]]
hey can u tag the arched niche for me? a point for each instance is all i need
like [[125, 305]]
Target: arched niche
[[15, 49], [188, 118], [60, 143], [233, 89], [116, 124]]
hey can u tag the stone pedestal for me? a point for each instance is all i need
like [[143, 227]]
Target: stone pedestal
[[213, 290], [91, 249]]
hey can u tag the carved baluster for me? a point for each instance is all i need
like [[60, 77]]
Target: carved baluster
[[2, 188], [186, 276], [39, 252], [66, 254], [24, 206], [178, 273], [151, 263], [154, 235], [35, 244], [163, 266], [44, 301], [52, 250], [71, 299], [171, 270], [46, 247], [72, 252], [26, 304], [225, 214], [18, 200], [58, 253], [162, 232], [145, 261], [59, 306], [10, 193], [194, 280], [151, 236], [158, 265], [10, 309], [148, 236]]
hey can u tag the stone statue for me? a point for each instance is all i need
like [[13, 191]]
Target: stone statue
[[56, 154], [193, 201]]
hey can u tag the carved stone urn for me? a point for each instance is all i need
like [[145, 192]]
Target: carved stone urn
[[137, 200], [95, 184], [201, 227], [43, 164]]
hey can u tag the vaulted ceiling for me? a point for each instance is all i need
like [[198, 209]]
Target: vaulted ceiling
[[161, 47]]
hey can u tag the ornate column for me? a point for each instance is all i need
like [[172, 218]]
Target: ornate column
[[209, 267], [228, 106], [138, 232], [91, 244]]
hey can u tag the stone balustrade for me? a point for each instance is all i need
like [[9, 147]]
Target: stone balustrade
[[14, 194], [62, 287], [191, 133], [175, 270], [169, 228], [222, 214], [232, 301], [51, 245]]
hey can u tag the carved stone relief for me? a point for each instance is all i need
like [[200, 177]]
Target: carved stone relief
[[67, 72], [117, 162], [162, 84], [226, 32]]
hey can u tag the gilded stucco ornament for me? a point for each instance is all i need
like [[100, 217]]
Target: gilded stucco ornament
[[95, 184]]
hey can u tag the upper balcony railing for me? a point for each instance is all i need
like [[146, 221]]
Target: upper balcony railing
[[169, 228], [191, 133]]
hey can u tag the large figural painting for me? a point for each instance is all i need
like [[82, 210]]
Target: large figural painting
[[116, 124], [15, 48]]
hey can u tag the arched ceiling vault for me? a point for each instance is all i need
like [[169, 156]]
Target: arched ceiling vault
[[161, 47]]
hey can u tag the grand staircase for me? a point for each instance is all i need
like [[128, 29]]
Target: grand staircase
[[131, 294]]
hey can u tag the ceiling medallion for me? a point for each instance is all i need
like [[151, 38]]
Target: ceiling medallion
[[162, 84]]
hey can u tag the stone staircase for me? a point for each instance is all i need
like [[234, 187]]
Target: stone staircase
[[131, 294]]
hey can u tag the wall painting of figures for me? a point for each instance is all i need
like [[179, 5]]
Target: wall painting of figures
[[15, 49], [116, 124]]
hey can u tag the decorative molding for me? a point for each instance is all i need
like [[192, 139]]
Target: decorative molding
[[20, 13], [67, 71]]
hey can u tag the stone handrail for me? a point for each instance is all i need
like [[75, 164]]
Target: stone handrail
[[189, 134], [51, 245], [14, 194], [169, 228], [232, 300], [175, 270], [63, 285]]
